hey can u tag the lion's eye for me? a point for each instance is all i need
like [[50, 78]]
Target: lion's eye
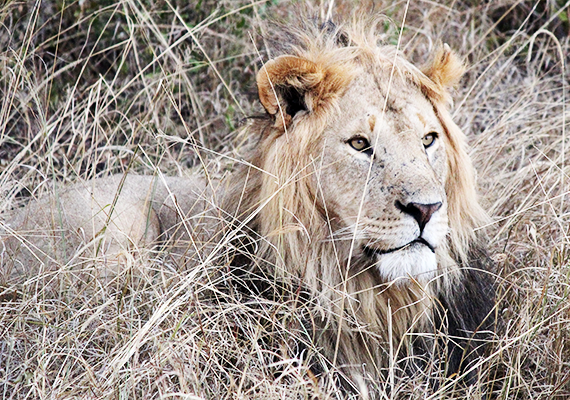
[[359, 143], [428, 139]]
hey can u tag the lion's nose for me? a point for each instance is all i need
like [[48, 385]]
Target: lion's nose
[[421, 212]]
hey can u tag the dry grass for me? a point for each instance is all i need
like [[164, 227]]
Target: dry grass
[[95, 88]]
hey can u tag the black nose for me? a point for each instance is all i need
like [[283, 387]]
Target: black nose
[[421, 212]]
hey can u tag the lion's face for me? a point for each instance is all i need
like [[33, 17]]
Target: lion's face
[[365, 140], [383, 174]]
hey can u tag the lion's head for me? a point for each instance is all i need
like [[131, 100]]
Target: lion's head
[[361, 178], [361, 149]]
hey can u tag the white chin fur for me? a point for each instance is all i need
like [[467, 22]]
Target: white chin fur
[[418, 262]]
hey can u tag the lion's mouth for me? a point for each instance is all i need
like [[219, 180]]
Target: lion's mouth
[[370, 252]]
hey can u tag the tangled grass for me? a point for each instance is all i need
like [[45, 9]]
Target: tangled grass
[[95, 88]]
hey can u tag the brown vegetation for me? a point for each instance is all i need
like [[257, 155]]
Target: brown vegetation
[[91, 89]]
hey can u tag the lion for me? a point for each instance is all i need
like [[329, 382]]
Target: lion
[[359, 191]]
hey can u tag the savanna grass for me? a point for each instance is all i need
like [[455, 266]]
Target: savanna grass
[[91, 89]]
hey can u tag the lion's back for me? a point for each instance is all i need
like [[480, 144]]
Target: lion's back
[[105, 217]]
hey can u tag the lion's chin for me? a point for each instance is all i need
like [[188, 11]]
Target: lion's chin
[[417, 261]]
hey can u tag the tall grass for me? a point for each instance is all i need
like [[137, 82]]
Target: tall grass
[[92, 88]]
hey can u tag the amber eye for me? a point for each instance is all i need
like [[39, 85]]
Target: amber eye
[[428, 139], [359, 143]]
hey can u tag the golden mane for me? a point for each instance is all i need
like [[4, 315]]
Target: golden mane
[[278, 195], [282, 154]]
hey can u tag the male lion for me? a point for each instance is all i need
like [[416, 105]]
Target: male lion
[[359, 192]]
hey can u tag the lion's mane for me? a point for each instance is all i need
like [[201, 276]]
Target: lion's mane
[[276, 202]]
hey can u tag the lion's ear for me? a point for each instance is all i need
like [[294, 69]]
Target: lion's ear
[[444, 68], [288, 85]]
